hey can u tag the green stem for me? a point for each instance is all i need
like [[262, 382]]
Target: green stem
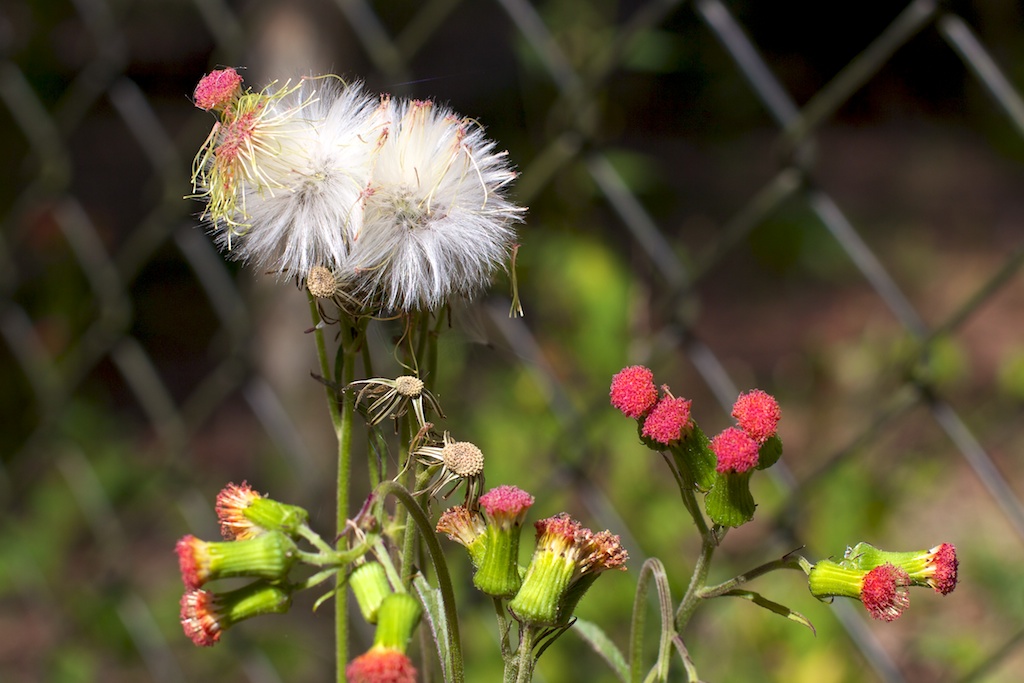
[[726, 586], [524, 659], [341, 419], [700, 576], [444, 581]]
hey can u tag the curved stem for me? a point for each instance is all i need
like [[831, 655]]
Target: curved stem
[[726, 586], [444, 581], [700, 575]]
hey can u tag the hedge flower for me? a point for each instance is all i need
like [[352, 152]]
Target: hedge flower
[[735, 450], [633, 391], [206, 615], [668, 420], [758, 414]]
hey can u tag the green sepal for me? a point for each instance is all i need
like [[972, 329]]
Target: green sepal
[[729, 502], [693, 455], [498, 572], [267, 556], [769, 453], [829, 579]]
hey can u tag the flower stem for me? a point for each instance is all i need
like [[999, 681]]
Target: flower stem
[[341, 419], [525, 657], [699, 579]]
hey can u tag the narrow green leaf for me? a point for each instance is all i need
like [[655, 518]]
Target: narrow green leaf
[[775, 607], [652, 570], [602, 645]]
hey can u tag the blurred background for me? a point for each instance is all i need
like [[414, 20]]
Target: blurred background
[[821, 200]]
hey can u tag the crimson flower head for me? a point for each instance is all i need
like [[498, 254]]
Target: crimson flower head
[[217, 88], [941, 570], [205, 615], [504, 508], [381, 665], [758, 414], [668, 421], [885, 592], [736, 451], [633, 391]]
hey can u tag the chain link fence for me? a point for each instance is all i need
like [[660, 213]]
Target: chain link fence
[[821, 202]]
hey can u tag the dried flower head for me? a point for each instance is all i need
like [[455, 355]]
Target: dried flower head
[[458, 460], [668, 421], [633, 391], [758, 414], [735, 450], [393, 396]]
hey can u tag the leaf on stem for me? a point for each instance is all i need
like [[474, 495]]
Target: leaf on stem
[[433, 613], [603, 646], [775, 607]]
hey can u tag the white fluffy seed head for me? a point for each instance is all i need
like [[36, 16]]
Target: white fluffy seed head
[[403, 202]]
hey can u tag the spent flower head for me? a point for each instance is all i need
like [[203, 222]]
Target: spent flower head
[[457, 461], [391, 398], [436, 222]]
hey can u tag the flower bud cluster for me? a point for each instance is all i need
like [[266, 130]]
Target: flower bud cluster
[[261, 546], [719, 467], [566, 561]]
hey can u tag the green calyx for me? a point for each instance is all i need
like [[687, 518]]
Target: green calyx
[[397, 618], [268, 556], [829, 579], [370, 585], [250, 601], [544, 588], [498, 572], [275, 516]]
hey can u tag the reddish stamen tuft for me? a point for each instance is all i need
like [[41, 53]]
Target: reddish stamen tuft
[[633, 391], [668, 420], [506, 502], [199, 619], [885, 592], [946, 565], [380, 665], [736, 451], [216, 89], [758, 414]]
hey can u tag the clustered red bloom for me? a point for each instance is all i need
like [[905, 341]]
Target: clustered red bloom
[[633, 391], [944, 566], [885, 592], [668, 420], [381, 665], [506, 505], [194, 560], [199, 617], [758, 414], [736, 451], [231, 504], [216, 89]]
